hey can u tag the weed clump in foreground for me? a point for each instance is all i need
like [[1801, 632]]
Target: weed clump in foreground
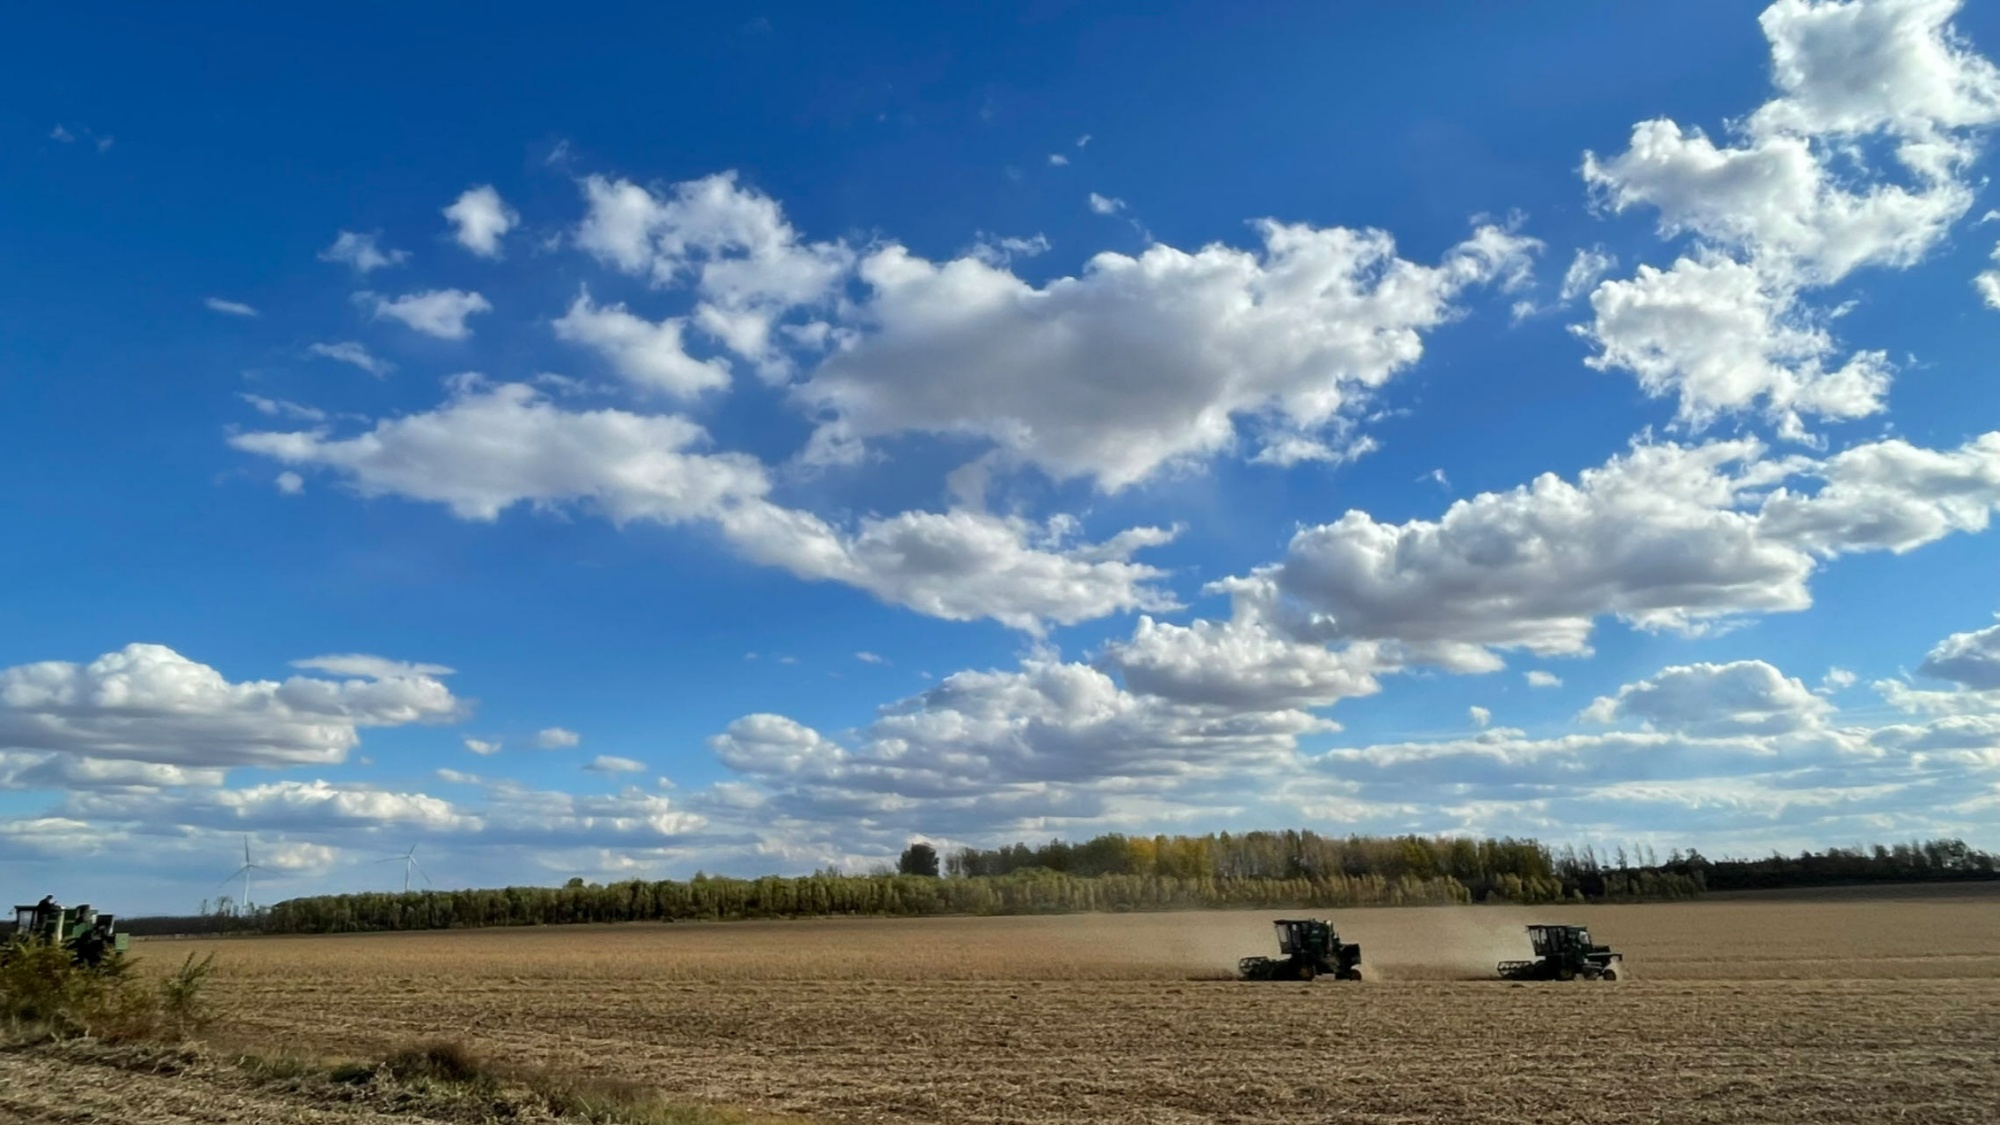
[[46, 994], [440, 1060], [444, 1076]]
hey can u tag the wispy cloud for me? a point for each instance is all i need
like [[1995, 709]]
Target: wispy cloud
[[349, 352], [230, 308], [280, 408], [63, 134], [362, 252]]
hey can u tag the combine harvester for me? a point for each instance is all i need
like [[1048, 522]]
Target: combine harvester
[[1564, 953], [90, 937], [1310, 949]]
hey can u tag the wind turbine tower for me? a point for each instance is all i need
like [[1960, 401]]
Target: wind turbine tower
[[244, 871], [409, 861]]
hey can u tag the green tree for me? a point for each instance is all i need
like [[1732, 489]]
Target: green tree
[[918, 859]]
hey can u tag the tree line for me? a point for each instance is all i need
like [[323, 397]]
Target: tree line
[[1254, 870]]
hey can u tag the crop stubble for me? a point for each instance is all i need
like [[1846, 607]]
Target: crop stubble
[[1860, 1009]]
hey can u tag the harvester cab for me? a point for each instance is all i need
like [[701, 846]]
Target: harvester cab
[[1311, 948], [89, 936], [1564, 953]]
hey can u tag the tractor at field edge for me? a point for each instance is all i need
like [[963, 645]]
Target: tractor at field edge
[[91, 938]]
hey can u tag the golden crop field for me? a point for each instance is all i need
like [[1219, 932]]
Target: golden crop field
[[1861, 1008]]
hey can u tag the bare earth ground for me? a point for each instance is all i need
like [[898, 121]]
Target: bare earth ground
[[1846, 1007], [38, 1087]]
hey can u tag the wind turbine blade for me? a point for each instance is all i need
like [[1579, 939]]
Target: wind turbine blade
[[232, 876], [421, 871], [246, 851]]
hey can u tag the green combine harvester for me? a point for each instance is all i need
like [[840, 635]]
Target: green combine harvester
[[1311, 949], [1564, 953], [90, 937]]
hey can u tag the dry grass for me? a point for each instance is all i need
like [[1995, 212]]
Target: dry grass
[[440, 1081], [1862, 1009]]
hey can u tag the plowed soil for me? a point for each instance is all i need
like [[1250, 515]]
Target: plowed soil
[[1858, 1008]]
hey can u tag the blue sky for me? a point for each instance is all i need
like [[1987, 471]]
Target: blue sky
[[638, 441]]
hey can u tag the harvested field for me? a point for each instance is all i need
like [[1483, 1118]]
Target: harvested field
[[1857, 1008]]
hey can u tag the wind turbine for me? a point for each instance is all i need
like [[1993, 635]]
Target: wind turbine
[[409, 862], [249, 865]]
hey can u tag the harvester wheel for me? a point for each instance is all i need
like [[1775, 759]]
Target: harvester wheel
[[1609, 974], [1351, 974], [1566, 973], [1307, 972]]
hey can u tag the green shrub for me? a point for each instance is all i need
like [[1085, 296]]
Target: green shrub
[[46, 994], [183, 1003]]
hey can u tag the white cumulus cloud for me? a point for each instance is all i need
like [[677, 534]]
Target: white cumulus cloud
[[148, 703], [556, 738], [748, 266], [1716, 700], [480, 219], [1793, 201], [1141, 361], [1971, 659], [1048, 739], [278, 806], [436, 312], [1241, 664], [1665, 537], [1715, 334], [491, 448], [648, 354]]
